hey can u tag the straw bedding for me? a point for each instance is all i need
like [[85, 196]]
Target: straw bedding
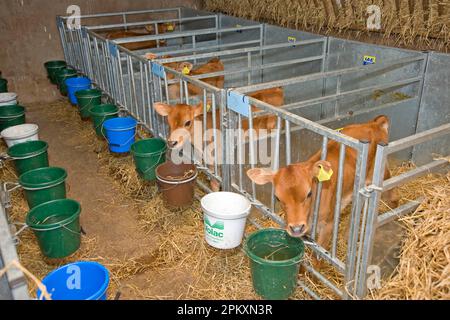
[[213, 274], [417, 24]]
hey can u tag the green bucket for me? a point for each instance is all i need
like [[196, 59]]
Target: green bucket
[[53, 67], [87, 99], [61, 77], [43, 185], [29, 156], [56, 225], [11, 115], [100, 114], [275, 261], [3, 85], [148, 154]]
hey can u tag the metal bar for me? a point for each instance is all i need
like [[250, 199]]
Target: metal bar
[[337, 206], [374, 200], [119, 13], [418, 138], [414, 173], [328, 74], [324, 280], [276, 159], [143, 23], [174, 35], [399, 212], [212, 48], [250, 68], [317, 203], [287, 125], [334, 97], [240, 50], [360, 180]]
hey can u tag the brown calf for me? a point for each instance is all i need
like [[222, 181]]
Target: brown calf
[[213, 65], [186, 122], [295, 185], [149, 30]]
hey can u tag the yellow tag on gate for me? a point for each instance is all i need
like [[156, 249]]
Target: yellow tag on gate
[[324, 175], [186, 71], [170, 27]]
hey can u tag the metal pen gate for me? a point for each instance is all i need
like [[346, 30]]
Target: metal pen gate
[[324, 90]]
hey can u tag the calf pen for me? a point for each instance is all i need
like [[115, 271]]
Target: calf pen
[[328, 83]]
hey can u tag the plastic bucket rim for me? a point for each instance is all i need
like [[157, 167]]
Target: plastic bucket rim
[[46, 185], [12, 107], [148, 154], [52, 226], [108, 122], [244, 214], [280, 263], [31, 154], [48, 63], [24, 135], [80, 93], [103, 105], [99, 293], [177, 182]]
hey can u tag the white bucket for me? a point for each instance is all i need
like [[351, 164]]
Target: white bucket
[[20, 133], [7, 98], [225, 216]]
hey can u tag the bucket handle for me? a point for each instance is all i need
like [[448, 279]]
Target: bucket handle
[[3, 158], [88, 104], [176, 184], [15, 186]]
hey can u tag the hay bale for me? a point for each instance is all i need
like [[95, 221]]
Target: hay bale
[[404, 23]]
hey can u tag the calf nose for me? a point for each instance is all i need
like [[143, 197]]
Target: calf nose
[[172, 144], [297, 230]]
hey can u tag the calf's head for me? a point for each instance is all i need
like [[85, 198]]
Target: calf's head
[[181, 121], [295, 188]]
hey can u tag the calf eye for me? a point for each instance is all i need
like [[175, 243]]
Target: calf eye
[[309, 194], [187, 124]]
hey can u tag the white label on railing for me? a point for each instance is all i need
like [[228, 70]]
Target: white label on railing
[[238, 103]]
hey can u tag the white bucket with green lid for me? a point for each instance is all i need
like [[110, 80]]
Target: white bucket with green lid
[[225, 217]]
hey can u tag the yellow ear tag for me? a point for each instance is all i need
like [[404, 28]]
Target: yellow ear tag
[[186, 71], [323, 175], [208, 107], [170, 27]]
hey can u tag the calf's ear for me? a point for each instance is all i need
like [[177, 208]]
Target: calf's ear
[[261, 176], [162, 108], [383, 122], [198, 110], [322, 170]]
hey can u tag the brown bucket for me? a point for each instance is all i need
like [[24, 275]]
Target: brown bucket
[[176, 182]]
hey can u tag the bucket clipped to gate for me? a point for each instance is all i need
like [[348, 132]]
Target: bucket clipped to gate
[[20, 133], [86, 100], [275, 261], [11, 115], [53, 67], [76, 84], [93, 282], [43, 185], [8, 98], [120, 133], [3, 85], [101, 113], [56, 225], [225, 216], [29, 156], [61, 77], [147, 155], [177, 182]]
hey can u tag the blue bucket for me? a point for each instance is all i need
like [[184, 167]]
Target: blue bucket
[[77, 281], [76, 84], [120, 133]]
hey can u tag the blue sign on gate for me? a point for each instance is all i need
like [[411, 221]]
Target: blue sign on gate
[[239, 103], [158, 70]]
